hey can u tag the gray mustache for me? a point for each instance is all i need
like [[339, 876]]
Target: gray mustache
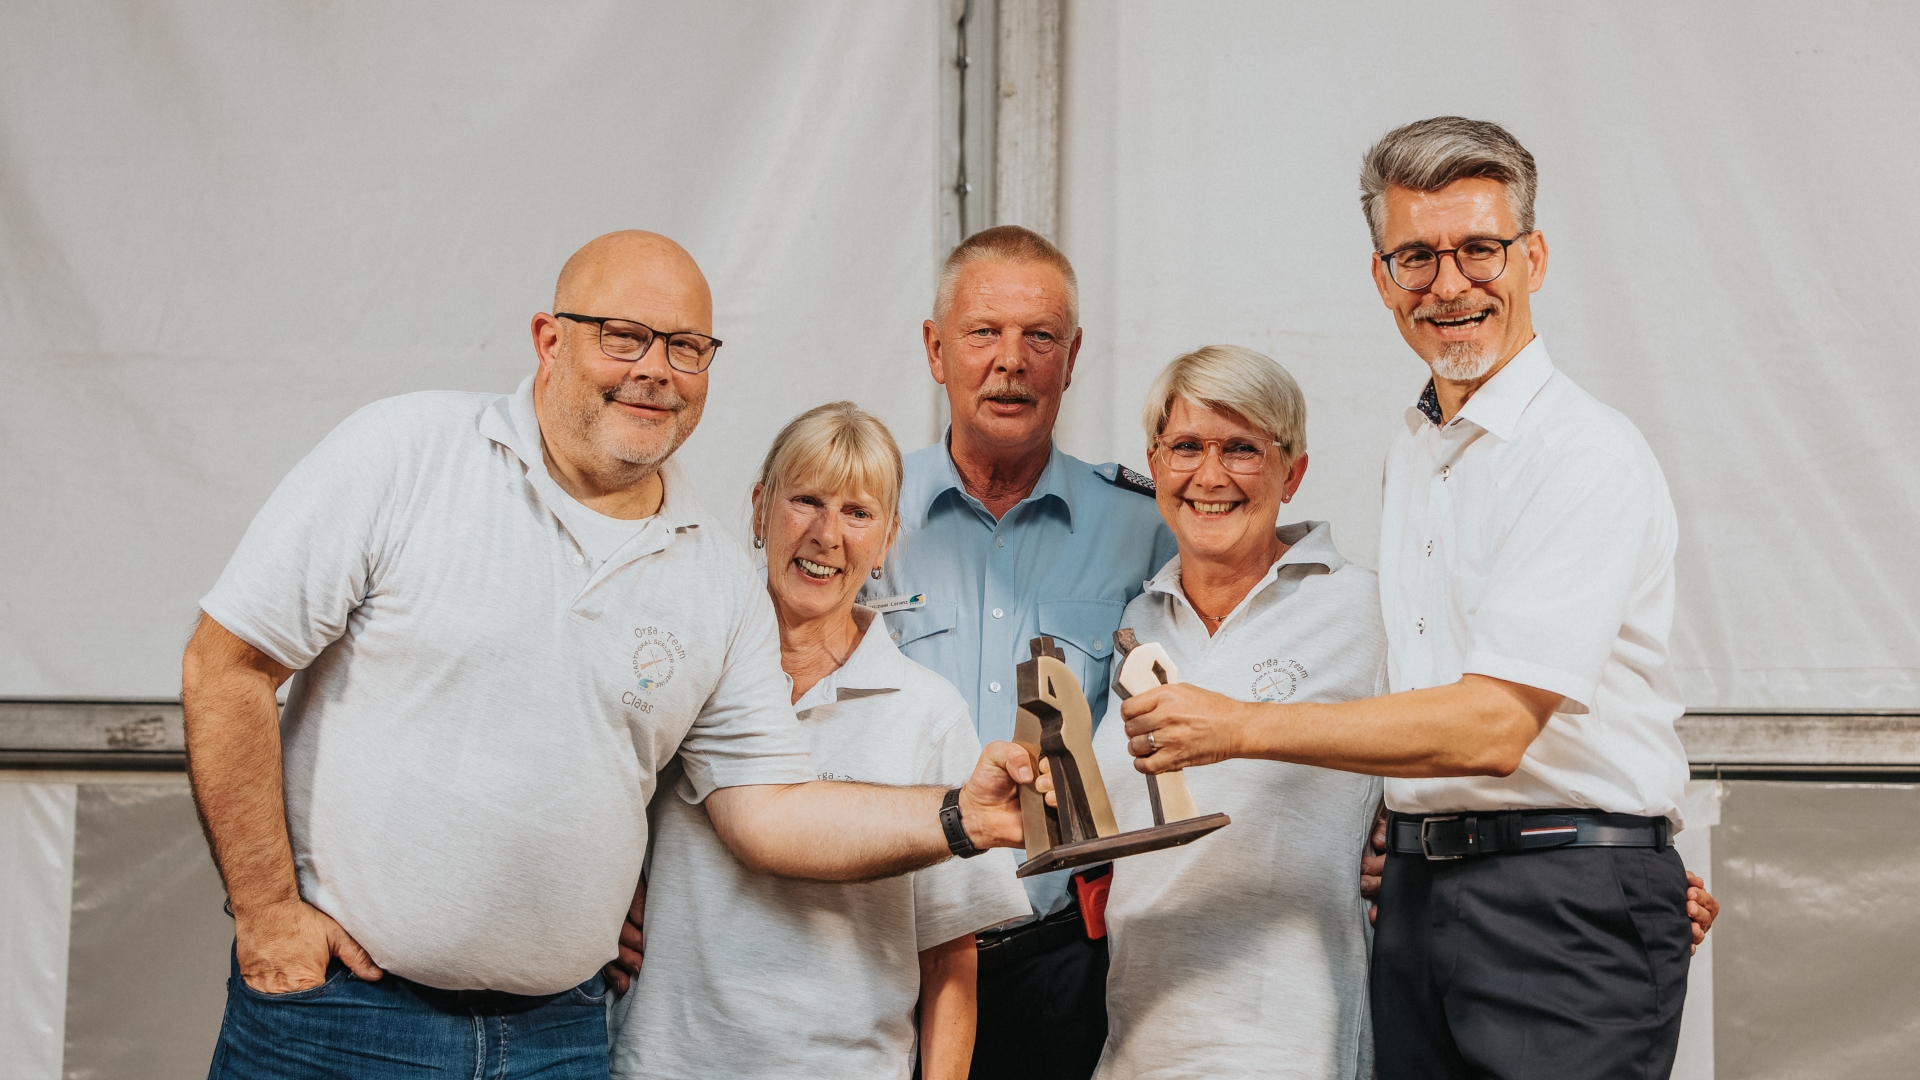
[[1442, 308], [1009, 388]]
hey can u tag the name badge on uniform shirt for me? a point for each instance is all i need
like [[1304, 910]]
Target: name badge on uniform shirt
[[897, 603]]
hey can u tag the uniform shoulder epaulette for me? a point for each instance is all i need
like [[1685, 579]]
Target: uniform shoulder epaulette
[[1127, 479]]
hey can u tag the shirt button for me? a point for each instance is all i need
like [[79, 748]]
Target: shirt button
[[1421, 626], [1446, 471], [896, 635], [576, 559], [994, 686], [999, 541], [997, 613], [1429, 547]]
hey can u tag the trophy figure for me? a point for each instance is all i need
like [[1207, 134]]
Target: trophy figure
[[1055, 724]]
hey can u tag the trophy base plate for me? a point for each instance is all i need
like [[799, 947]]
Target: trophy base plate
[[1120, 845]]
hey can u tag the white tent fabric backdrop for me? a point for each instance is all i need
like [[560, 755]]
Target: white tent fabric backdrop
[[1726, 189], [36, 884], [225, 226]]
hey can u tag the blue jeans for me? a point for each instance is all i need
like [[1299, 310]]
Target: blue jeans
[[394, 1029]]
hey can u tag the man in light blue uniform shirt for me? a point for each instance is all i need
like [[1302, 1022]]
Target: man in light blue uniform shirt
[[1005, 538], [1063, 562]]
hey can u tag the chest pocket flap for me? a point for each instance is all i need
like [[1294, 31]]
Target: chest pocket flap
[[912, 624], [1087, 625]]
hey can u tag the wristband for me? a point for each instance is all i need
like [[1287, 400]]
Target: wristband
[[957, 841]]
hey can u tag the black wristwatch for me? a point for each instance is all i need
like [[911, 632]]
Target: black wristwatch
[[957, 841]]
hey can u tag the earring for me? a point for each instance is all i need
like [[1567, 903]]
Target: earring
[[759, 542], [875, 573]]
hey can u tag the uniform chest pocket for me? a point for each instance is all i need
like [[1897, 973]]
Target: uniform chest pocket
[[912, 624], [1087, 625]]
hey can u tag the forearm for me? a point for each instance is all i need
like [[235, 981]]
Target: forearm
[[829, 831], [1475, 727], [233, 760], [948, 1001]]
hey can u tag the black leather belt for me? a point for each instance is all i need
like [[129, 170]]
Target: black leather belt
[[1493, 832], [999, 948]]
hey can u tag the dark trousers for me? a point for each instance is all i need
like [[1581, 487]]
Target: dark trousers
[[1560, 965], [1044, 1016]]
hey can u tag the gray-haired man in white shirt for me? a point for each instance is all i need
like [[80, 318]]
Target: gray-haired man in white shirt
[[1534, 919]]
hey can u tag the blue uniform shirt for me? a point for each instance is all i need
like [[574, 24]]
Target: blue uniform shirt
[[1063, 563]]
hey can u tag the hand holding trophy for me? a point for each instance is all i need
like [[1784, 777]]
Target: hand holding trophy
[[1055, 726]]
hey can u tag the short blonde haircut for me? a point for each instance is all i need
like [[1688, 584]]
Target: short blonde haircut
[[839, 446], [1237, 379]]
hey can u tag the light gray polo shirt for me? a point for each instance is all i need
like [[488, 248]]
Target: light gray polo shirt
[[1245, 952], [481, 707], [748, 975]]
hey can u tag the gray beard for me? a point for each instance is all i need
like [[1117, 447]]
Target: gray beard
[[1463, 361]]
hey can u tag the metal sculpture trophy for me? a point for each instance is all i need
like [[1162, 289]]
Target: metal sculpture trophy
[[1054, 723]]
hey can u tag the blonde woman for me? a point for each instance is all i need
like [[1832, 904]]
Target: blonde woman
[[748, 975], [1246, 953]]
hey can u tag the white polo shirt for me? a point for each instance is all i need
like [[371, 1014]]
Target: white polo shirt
[[755, 976], [1531, 539], [1245, 952], [480, 710]]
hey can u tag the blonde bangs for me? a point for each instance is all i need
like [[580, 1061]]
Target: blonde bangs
[[837, 447]]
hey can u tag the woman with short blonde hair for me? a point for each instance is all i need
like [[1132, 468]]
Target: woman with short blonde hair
[[748, 975], [1244, 953]]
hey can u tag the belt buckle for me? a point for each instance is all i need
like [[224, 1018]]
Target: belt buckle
[[1426, 848]]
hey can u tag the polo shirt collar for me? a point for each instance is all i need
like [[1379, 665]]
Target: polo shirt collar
[[1309, 543], [512, 422], [1054, 484], [874, 668], [1497, 406]]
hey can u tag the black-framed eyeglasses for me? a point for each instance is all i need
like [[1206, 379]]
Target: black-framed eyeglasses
[[624, 339], [1479, 261]]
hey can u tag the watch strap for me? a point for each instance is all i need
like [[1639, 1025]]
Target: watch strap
[[957, 841]]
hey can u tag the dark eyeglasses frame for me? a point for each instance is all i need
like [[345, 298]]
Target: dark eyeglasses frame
[[600, 326], [1457, 264]]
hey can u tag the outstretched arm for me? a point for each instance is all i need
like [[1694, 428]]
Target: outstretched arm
[[233, 759], [1479, 726], [830, 831]]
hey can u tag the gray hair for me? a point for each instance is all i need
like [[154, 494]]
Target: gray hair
[[1237, 379], [1004, 243], [1427, 155]]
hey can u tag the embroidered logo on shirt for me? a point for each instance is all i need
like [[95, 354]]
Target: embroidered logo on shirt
[[655, 658], [1277, 680]]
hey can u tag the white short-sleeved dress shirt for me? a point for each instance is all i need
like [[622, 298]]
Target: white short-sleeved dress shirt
[[755, 976], [1245, 952], [1531, 539], [481, 705]]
